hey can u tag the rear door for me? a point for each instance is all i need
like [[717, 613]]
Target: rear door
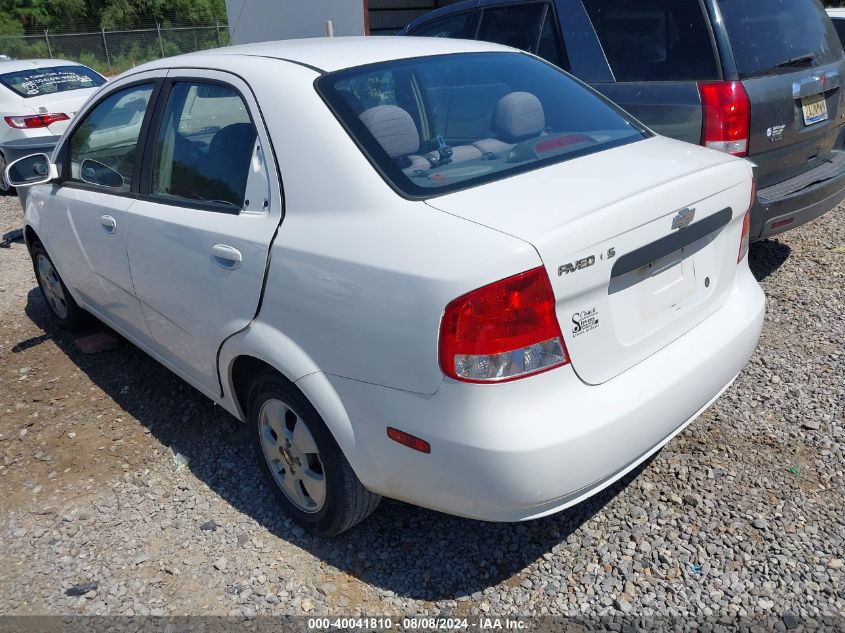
[[790, 61], [199, 235], [657, 51]]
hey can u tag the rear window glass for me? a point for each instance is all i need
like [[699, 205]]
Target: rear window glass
[[34, 82], [779, 35], [437, 124], [655, 40]]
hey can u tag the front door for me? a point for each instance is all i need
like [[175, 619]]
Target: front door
[[100, 162], [199, 236]]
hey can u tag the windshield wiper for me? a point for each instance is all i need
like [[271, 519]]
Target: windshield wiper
[[800, 60]]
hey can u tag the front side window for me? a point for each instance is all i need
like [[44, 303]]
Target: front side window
[[36, 82], [655, 40], [529, 27], [103, 148], [442, 123], [204, 146]]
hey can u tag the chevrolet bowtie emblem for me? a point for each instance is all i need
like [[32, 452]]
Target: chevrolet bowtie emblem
[[683, 218]]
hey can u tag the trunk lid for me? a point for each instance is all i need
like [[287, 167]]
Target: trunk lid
[[626, 283], [69, 103]]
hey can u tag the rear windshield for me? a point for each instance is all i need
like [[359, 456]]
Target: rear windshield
[[34, 82], [437, 124], [770, 36], [655, 40]]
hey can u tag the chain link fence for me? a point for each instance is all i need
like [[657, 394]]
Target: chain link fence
[[113, 51]]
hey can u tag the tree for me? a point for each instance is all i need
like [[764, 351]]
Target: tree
[[17, 16]]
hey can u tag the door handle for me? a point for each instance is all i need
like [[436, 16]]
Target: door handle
[[109, 223], [226, 256]]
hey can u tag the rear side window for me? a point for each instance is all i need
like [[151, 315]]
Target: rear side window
[[770, 36], [455, 25], [204, 146], [530, 27], [655, 40], [35, 82], [436, 124]]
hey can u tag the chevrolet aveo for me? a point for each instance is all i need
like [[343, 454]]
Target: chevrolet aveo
[[444, 272]]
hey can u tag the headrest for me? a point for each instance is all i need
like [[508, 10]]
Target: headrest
[[235, 135], [519, 115], [393, 128]]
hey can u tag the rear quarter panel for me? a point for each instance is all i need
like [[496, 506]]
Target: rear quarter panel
[[359, 277]]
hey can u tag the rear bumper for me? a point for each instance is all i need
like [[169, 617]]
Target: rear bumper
[[789, 204], [532, 447]]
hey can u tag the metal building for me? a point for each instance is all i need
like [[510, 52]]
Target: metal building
[[262, 20], [388, 16]]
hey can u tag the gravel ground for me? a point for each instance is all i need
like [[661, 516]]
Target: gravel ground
[[739, 515]]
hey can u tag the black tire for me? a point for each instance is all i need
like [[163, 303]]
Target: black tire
[[347, 501], [8, 191], [72, 317]]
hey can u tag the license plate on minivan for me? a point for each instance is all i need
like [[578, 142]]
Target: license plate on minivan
[[815, 109]]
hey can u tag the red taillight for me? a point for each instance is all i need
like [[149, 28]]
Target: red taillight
[[35, 120], [503, 331], [746, 225], [406, 439], [727, 117]]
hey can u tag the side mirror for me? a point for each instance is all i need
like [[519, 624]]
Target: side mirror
[[35, 169], [96, 173]]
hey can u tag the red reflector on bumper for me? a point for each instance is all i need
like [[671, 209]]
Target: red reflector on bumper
[[406, 439], [780, 223]]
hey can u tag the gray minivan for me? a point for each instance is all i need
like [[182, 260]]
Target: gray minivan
[[755, 78]]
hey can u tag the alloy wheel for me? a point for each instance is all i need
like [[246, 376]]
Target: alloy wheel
[[292, 455]]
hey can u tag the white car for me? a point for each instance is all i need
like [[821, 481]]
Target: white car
[[38, 97], [435, 270]]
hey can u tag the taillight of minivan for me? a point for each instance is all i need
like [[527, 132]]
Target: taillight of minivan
[[727, 117]]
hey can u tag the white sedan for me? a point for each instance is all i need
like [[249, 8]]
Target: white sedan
[[440, 271], [38, 97]]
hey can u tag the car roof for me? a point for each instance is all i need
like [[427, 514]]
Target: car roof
[[327, 54], [15, 65], [836, 13]]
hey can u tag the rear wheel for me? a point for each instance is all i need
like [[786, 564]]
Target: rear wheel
[[309, 475], [55, 293]]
